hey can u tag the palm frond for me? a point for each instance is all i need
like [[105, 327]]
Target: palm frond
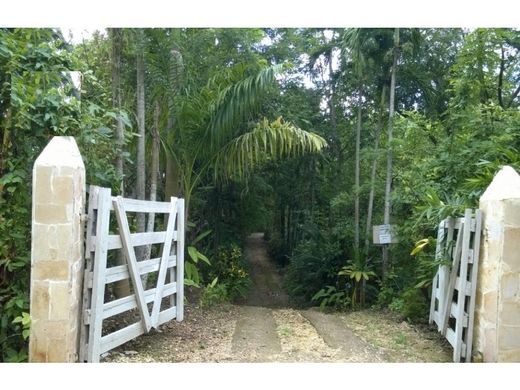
[[236, 101], [352, 46], [267, 141]]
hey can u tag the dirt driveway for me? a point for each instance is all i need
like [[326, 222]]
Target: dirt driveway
[[266, 329]]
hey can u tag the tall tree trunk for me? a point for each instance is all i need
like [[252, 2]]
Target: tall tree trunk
[[117, 43], [370, 208], [356, 174], [122, 287], [141, 170], [282, 222], [173, 180], [388, 186], [501, 77], [313, 188], [336, 147], [172, 184], [154, 171], [154, 174], [4, 146]]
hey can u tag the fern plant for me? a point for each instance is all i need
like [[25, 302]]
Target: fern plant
[[330, 297]]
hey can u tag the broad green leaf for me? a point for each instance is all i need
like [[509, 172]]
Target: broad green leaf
[[203, 258], [193, 253], [214, 282], [201, 236]]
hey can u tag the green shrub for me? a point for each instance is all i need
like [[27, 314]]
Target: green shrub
[[396, 305], [330, 297], [414, 306], [228, 265], [386, 297], [314, 265], [214, 293]]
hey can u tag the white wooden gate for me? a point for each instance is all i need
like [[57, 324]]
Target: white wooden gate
[[454, 286], [152, 308]]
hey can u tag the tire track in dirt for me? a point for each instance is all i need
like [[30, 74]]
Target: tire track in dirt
[[267, 330]]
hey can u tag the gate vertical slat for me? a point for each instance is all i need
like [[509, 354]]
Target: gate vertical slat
[[436, 285], [131, 261], [461, 296], [163, 267], [474, 273], [444, 270], [451, 286], [86, 301], [180, 260], [98, 285]]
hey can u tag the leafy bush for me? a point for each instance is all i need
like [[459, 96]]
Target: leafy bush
[[229, 267], [386, 296], [214, 293], [331, 297], [412, 305], [396, 305], [315, 264]]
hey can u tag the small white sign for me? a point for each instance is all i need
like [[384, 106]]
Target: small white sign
[[385, 238], [383, 234]]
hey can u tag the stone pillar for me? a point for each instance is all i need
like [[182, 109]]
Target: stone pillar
[[497, 312], [58, 203]]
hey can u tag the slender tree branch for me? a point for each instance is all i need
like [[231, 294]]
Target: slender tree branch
[[501, 78]]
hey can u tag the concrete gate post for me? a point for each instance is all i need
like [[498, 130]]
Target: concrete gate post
[[497, 315], [58, 203]]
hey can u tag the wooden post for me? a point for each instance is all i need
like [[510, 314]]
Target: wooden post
[[100, 261], [180, 260]]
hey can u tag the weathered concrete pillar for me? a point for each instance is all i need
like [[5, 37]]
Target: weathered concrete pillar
[[56, 252], [497, 315]]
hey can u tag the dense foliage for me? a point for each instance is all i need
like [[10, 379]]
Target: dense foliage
[[38, 101], [276, 130], [457, 122]]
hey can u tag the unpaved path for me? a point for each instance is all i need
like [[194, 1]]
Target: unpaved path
[[266, 329], [266, 289], [255, 334]]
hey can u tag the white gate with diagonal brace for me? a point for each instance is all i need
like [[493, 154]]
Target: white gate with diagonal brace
[[452, 305], [153, 308]]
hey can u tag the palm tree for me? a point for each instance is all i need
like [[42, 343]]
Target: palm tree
[[209, 136], [352, 45]]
